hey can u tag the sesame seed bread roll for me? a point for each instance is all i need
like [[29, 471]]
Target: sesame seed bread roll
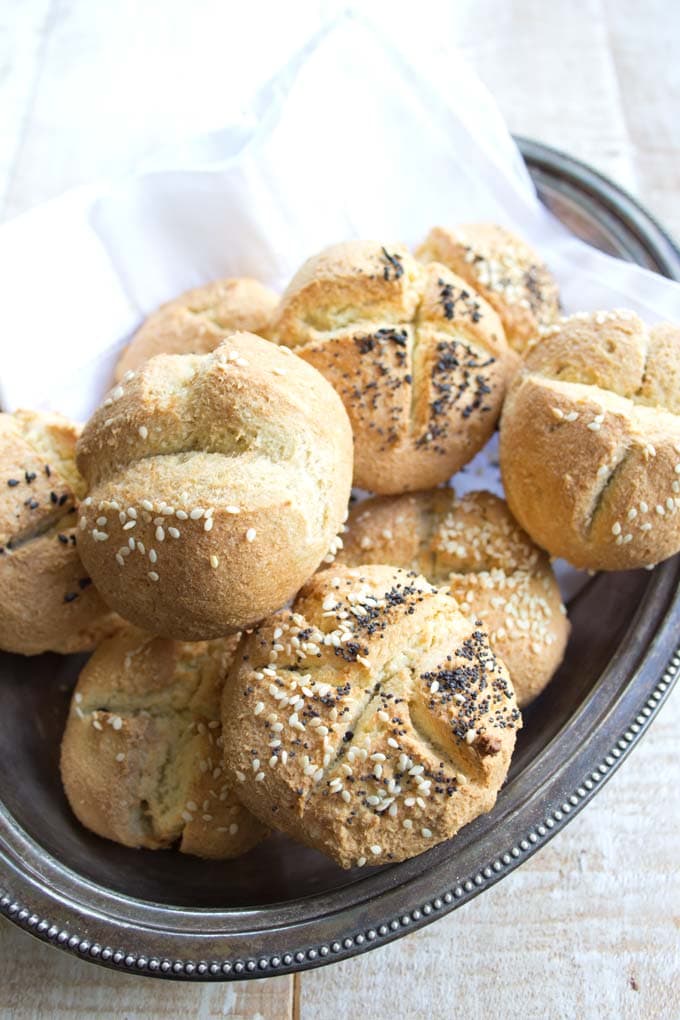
[[419, 360], [199, 320], [141, 757], [217, 484], [590, 441], [48, 600], [372, 720], [504, 269], [473, 546]]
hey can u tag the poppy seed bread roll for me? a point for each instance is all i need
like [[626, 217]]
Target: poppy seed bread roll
[[141, 757], [505, 270], [199, 320], [48, 600], [419, 360], [217, 484], [491, 567], [590, 441], [372, 720]]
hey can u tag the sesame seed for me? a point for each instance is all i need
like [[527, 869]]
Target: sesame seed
[[160, 534], [376, 850], [240, 776], [259, 777], [207, 526], [173, 532], [616, 528], [214, 562], [632, 514], [434, 687], [392, 742], [152, 575], [361, 861], [143, 432], [120, 756], [197, 513], [182, 515], [117, 722], [147, 505], [233, 829], [470, 736], [259, 707], [594, 426], [129, 526], [427, 833], [120, 560], [250, 535], [233, 509]]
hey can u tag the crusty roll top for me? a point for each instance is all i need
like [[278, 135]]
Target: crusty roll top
[[474, 546], [48, 599], [218, 483], [142, 752], [372, 720], [419, 360], [199, 320], [505, 270], [590, 441]]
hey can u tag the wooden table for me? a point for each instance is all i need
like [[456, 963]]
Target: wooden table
[[590, 926]]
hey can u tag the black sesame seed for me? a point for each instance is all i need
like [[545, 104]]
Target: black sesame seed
[[70, 596], [12, 482]]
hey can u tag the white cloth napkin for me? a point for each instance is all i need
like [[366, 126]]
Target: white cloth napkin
[[349, 139]]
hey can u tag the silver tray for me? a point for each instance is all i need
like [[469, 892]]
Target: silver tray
[[284, 908]]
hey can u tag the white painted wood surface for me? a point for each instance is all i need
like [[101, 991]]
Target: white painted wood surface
[[590, 926]]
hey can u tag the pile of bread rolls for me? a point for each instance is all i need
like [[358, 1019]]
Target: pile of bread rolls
[[265, 657]]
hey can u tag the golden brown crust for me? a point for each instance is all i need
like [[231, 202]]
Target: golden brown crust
[[590, 442], [48, 600], [504, 269], [217, 483], [419, 360], [372, 720], [491, 567], [141, 757], [199, 320]]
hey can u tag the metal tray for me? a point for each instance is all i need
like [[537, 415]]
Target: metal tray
[[284, 908]]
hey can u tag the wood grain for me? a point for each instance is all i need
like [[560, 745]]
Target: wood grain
[[590, 926]]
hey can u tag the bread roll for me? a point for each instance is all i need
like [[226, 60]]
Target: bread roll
[[48, 600], [372, 720], [199, 320], [217, 484], [141, 758], [491, 567], [590, 442], [505, 270], [419, 360]]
